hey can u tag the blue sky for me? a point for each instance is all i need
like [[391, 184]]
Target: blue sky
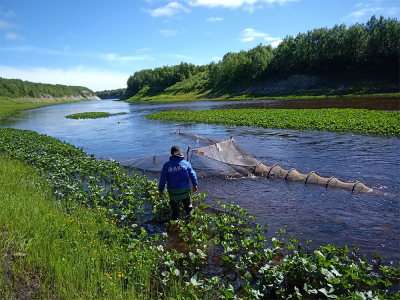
[[99, 44]]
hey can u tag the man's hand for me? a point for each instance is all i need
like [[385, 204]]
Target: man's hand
[[195, 189], [160, 194]]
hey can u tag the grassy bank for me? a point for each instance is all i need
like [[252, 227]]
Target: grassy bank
[[77, 252], [10, 106], [341, 120], [50, 254], [209, 96]]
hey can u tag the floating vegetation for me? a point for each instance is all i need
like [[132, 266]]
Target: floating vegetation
[[93, 115], [246, 264], [386, 123]]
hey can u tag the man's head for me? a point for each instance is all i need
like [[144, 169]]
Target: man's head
[[176, 151]]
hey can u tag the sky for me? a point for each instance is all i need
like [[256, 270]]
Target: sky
[[99, 44]]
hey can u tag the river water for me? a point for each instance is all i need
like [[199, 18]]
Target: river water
[[305, 211]]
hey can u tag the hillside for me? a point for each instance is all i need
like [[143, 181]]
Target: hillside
[[360, 59], [17, 95], [17, 89]]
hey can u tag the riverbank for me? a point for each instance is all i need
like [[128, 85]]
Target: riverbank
[[299, 86], [10, 106], [49, 253], [233, 97], [105, 251], [211, 95]]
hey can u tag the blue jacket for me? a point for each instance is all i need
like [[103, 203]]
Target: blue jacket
[[176, 173]]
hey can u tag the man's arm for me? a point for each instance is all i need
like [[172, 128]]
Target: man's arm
[[193, 178], [163, 181]]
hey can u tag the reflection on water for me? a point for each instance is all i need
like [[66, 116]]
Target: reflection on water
[[305, 212]]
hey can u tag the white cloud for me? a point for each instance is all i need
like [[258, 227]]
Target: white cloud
[[248, 39], [249, 5], [276, 44], [168, 33], [216, 59], [116, 57], [359, 14], [169, 10], [14, 36], [6, 25], [249, 35], [358, 5], [392, 11], [250, 32], [214, 19], [269, 39], [144, 50], [7, 14], [94, 79], [111, 57]]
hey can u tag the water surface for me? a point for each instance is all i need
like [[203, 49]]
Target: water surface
[[305, 212]]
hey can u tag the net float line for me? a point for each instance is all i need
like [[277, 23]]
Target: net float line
[[276, 171]]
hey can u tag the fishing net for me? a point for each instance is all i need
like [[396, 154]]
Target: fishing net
[[227, 158]]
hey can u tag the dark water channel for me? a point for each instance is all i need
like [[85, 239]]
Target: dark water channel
[[306, 212]]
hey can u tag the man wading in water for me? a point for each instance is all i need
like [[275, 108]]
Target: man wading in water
[[176, 173]]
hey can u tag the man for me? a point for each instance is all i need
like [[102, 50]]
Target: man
[[177, 173]]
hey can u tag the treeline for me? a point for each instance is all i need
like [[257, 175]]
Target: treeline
[[375, 43], [161, 78], [368, 47], [111, 94], [17, 88]]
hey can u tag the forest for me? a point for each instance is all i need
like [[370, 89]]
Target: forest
[[361, 49], [17, 88], [111, 94]]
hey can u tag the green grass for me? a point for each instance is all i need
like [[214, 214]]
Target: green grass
[[10, 106], [79, 255], [93, 115], [209, 96], [340, 120]]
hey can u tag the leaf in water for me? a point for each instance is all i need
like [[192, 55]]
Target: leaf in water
[[195, 280]]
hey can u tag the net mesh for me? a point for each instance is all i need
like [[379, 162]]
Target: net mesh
[[196, 136], [227, 158]]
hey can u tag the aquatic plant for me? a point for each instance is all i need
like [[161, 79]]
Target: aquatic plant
[[386, 123], [93, 115], [251, 265]]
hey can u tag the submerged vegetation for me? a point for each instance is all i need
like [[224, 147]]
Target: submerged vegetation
[[93, 115], [87, 238], [341, 60], [355, 120]]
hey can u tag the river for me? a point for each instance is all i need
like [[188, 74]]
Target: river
[[305, 211]]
